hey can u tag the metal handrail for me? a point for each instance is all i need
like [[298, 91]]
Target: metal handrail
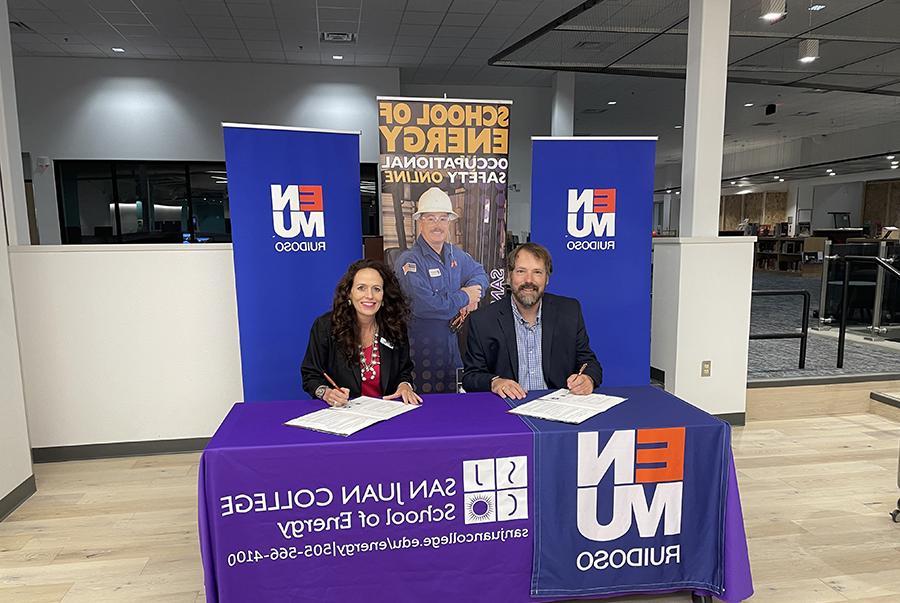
[[803, 334], [848, 260]]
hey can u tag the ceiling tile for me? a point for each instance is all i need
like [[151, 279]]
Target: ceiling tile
[[197, 7], [245, 9], [439, 6], [267, 55], [79, 17], [220, 33], [463, 19], [261, 34], [136, 30], [33, 16], [125, 18], [206, 21], [515, 7], [338, 14], [338, 26], [457, 43], [422, 18], [398, 60], [263, 45], [190, 52], [178, 32], [456, 31], [426, 31], [255, 23], [112, 5], [472, 6], [447, 53], [187, 42]]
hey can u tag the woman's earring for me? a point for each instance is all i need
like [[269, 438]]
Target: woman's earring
[[349, 302]]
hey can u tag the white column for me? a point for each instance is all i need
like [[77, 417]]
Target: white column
[[16, 480], [701, 283], [563, 117], [704, 117], [13, 186]]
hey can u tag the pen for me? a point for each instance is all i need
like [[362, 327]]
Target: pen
[[580, 371], [335, 385]]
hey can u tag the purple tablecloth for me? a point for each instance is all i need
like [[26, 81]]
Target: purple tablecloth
[[397, 512]]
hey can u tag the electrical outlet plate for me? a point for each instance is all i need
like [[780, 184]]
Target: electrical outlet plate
[[706, 368]]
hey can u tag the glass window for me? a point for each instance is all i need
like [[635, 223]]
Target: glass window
[[161, 201], [209, 202]]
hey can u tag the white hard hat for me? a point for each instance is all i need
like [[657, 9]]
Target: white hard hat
[[436, 201]]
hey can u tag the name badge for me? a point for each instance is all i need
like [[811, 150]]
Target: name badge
[[386, 343], [434, 272]]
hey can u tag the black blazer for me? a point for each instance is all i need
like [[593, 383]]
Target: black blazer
[[324, 356], [491, 348]]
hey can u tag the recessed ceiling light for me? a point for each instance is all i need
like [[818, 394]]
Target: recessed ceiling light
[[678, 127], [889, 157], [808, 51], [777, 177], [832, 174], [829, 170], [748, 104], [773, 10], [894, 167], [668, 190], [733, 182], [611, 103], [117, 49], [337, 57], [816, 7], [677, 192]]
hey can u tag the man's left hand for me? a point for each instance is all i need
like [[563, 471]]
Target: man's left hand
[[580, 385]]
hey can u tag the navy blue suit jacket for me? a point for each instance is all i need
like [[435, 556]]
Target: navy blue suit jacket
[[491, 348]]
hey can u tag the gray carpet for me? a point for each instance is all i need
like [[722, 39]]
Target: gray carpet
[[777, 359]]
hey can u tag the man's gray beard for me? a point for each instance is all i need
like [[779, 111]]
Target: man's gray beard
[[528, 304]]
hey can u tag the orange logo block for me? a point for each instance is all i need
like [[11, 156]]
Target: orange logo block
[[672, 455], [604, 201]]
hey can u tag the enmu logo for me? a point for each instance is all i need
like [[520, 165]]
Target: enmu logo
[[629, 498], [596, 209], [306, 213]]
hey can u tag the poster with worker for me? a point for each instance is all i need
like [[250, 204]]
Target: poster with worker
[[443, 165]]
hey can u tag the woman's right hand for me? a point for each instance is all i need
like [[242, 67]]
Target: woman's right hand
[[336, 397]]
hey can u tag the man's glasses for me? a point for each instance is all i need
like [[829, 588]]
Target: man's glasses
[[436, 219]]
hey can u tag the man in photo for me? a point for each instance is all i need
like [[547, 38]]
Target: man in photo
[[440, 280]]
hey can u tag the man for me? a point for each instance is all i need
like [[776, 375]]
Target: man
[[440, 280], [530, 340]]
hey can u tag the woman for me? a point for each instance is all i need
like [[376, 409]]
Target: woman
[[362, 343]]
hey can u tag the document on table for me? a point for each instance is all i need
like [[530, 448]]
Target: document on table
[[359, 413], [566, 407]]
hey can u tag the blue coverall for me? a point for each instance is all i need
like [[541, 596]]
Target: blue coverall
[[433, 285]]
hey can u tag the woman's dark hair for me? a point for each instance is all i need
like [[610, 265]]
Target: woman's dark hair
[[392, 316]]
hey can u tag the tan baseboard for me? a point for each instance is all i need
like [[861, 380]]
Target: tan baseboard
[[773, 403], [884, 410]]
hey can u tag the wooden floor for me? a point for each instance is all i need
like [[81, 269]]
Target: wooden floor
[[816, 494]]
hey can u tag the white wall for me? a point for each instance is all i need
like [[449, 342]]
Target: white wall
[[15, 451], [171, 110], [847, 197], [124, 343], [530, 116]]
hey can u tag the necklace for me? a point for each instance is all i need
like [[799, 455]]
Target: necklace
[[368, 368]]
